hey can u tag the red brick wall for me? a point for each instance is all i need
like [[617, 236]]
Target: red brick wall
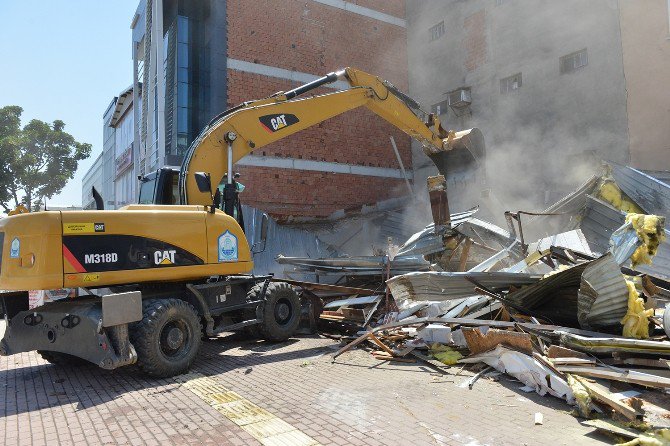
[[310, 37], [286, 193]]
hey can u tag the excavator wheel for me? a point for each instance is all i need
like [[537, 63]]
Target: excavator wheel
[[281, 311], [167, 338]]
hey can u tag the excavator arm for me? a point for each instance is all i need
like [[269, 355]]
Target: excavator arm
[[252, 125]]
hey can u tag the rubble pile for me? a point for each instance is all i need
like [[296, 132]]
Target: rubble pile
[[574, 302]]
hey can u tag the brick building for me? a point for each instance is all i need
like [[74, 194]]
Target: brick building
[[196, 58]]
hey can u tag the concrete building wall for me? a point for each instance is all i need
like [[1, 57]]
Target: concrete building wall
[[108, 158], [543, 136], [275, 46], [646, 57], [92, 178]]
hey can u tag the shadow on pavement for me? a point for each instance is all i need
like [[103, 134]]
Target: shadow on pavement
[[36, 387]]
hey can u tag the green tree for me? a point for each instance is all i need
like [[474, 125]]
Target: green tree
[[37, 160]]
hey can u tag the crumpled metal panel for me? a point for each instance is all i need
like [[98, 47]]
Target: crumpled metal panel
[[440, 286], [599, 222], [427, 242], [569, 206], [535, 295], [649, 193], [603, 294], [573, 240]]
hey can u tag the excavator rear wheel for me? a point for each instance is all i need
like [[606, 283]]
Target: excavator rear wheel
[[167, 338]]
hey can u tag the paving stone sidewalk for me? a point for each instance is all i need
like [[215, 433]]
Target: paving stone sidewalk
[[355, 401]]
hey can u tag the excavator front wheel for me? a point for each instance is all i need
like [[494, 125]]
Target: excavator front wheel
[[167, 338]]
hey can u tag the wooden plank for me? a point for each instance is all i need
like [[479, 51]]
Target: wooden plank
[[544, 360], [645, 362], [600, 394], [479, 343], [468, 322], [643, 379], [573, 361], [556, 351], [381, 345], [464, 255], [393, 358]]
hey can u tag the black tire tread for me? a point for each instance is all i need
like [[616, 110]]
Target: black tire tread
[[270, 332], [141, 336]]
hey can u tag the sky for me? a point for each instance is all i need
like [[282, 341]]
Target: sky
[[66, 59]]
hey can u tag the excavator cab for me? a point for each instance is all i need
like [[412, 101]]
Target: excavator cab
[[160, 187]]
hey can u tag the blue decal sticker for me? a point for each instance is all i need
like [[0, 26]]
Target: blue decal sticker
[[15, 249], [227, 247]]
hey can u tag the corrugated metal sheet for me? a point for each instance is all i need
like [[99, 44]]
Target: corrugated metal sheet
[[286, 240], [573, 240], [570, 205], [439, 286], [649, 193], [603, 294], [600, 220], [598, 223], [539, 293], [427, 242]]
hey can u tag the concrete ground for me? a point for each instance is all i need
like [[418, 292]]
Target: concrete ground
[[240, 391]]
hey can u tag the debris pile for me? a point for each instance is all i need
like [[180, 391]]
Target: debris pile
[[582, 312]]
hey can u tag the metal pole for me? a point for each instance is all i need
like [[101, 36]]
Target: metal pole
[[402, 166], [230, 162]]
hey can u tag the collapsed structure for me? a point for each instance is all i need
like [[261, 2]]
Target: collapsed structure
[[570, 301]]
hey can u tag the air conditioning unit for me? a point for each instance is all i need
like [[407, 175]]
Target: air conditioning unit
[[460, 98]]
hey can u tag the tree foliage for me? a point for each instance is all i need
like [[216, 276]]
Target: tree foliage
[[36, 160]]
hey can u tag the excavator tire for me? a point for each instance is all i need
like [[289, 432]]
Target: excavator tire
[[167, 338], [281, 311], [61, 359]]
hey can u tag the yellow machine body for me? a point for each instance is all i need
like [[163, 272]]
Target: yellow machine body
[[137, 243]]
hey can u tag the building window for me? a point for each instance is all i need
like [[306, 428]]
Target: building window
[[574, 61], [500, 2], [511, 83], [440, 108], [436, 31]]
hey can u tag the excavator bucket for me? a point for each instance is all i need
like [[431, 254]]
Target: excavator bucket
[[455, 160]]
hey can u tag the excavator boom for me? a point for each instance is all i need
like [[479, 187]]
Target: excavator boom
[[255, 124]]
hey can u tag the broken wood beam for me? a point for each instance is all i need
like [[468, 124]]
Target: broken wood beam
[[600, 394], [383, 357], [381, 345], [467, 322], [465, 254], [479, 343], [556, 351], [628, 376]]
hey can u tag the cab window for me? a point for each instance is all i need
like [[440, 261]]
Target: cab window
[[147, 191]]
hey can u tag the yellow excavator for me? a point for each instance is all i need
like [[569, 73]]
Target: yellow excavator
[[148, 280]]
